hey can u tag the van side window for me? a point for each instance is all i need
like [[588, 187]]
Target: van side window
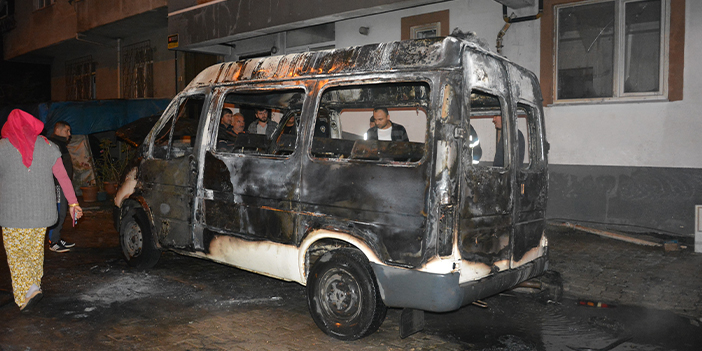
[[344, 131], [525, 123], [487, 122], [276, 137], [174, 142], [162, 139]]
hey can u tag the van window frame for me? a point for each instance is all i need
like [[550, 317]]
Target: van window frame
[[538, 158], [504, 112], [222, 92], [392, 78], [167, 119]]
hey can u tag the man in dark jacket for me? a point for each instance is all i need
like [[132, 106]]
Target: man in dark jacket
[[263, 123], [385, 129], [61, 137]]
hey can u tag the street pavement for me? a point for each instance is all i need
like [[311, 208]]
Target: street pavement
[[94, 301], [599, 269]]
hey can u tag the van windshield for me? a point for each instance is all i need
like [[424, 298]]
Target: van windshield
[[384, 123]]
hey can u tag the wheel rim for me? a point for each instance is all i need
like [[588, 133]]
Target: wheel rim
[[340, 295], [132, 241]]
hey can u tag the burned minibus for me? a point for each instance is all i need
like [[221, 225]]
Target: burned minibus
[[448, 214]]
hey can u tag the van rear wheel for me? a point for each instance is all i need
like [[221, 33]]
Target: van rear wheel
[[138, 244], [343, 296]]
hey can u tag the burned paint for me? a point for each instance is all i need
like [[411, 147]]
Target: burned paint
[[424, 210]]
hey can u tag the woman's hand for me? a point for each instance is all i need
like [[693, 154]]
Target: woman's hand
[[76, 212]]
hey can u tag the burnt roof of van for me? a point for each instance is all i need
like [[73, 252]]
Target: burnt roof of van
[[419, 53]]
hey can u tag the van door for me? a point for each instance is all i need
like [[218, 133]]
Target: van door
[[358, 181], [487, 185], [169, 175], [531, 166], [251, 180], [531, 183]]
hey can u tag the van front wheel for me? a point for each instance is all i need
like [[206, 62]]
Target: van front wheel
[[343, 296], [138, 245]]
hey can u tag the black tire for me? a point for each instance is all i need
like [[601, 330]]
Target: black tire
[[137, 242], [343, 295]]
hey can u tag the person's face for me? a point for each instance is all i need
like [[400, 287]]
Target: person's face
[[63, 131], [238, 123], [290, 122], [497, 121], [381, 119], [371, 124], [226, 119], [262, 115]]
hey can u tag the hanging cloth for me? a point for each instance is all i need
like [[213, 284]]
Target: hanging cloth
[[22, 129]]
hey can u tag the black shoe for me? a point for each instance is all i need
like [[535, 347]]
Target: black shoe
[[58, 247], [32, 300], [67, 245]]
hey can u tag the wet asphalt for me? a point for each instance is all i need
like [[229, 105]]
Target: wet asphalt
[[94, 301]]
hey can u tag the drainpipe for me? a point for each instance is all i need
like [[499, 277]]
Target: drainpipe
[[88, 41], [176, 72], [514, 19], [504, 29], [119, 68]]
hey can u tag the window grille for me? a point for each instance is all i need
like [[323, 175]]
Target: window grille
[[137, 70], [80, 79], [40, 4]]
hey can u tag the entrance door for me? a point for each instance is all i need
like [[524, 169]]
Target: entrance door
[[170, 174]]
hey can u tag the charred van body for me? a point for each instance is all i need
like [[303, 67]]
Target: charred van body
[[444, 207]]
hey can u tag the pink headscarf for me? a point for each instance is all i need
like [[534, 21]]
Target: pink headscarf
[[22, 129]]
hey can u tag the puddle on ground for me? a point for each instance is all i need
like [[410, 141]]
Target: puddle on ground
[[521, 322]]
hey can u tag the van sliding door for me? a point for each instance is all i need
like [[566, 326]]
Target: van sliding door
[[251, 178]]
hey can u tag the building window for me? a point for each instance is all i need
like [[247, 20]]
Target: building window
[[80, 79], [615, 50], [611, 50], [40, 4], [137, 70], [7, 16]]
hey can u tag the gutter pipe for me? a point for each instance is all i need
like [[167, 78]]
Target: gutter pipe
[[514, 19]]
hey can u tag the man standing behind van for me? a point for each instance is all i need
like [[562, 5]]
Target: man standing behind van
[[499, 146], [262, 124], [61, 136], [384, 129]]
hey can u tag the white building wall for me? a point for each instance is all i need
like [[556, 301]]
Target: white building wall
[[653, 134]]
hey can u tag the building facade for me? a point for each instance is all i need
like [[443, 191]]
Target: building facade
[[618, 77], [96, 49]]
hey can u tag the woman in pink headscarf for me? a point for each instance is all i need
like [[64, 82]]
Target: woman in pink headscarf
[[28, 201]]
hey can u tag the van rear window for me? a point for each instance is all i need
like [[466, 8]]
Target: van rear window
[[384, 123]]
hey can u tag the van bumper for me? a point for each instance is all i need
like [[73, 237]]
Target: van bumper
[[406, 288]]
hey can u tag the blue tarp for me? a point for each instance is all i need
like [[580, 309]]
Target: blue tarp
[[88, 117]]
